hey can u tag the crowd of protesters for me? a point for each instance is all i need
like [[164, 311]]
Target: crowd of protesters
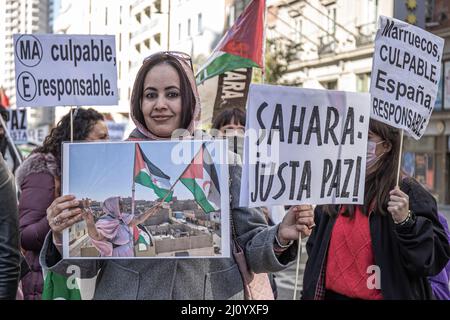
[[397, 229]]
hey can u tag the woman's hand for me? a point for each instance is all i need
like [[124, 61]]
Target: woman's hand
[[63, 213], [398, 205], [87, 215], [141, 218], [299, 219]]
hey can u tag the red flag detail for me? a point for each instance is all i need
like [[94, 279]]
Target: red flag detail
[[245, 37], [195, 168]]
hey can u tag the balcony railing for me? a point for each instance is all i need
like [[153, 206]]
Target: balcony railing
[[366, 33], [327, 45]]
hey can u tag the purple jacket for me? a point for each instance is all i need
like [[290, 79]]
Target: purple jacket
[[440, 282], [36, 180]]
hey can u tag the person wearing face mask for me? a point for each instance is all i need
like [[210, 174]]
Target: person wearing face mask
[[383, 249], [230, 123], [38, 179], [165, 99]]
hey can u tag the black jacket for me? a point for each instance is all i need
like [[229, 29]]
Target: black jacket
[[9, 235], [406, 255]]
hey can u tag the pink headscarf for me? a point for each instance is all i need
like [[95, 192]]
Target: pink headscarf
[[113, 225], [141, 127]]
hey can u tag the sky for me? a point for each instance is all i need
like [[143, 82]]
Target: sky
[[101, 170]]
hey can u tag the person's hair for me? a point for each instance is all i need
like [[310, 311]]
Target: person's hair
[[382, 180], [83, 122], [229, 116], [4, 113], [187, 95]]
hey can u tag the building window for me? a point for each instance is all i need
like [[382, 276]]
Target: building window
[[199, 23], [179, 31], [329, 85], [429, 9], [106, 16], [138, 47], [138, 17], [157, 5], [298, 30], [147, 43], [157, 38], [147, 11], [331, 19], [363, 82], [189, 27]]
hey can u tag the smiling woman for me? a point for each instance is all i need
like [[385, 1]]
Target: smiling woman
[[165, 99], [161, 100]]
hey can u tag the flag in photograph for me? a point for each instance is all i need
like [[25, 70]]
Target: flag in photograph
[[242, 45], [150, 176], [200, 177]]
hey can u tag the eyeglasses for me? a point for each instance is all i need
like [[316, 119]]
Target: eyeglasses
[[180, 56]]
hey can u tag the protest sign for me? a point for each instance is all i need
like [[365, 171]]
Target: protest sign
[[116, 130], [186, 181], [227, 90], [304, 146], [17, 125], [405, 75], [65, 70], [37, 135]]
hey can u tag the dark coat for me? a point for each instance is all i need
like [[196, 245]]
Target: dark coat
[[406, 255], [9, 235], [36, 180]]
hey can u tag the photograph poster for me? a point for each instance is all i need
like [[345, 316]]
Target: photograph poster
[[140, 199]]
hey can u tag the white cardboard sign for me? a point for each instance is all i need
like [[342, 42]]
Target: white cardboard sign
[[405, 75], [65, 70], [304, 146]]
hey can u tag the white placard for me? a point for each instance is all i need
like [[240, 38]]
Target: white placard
[[17, 125], [405, 75], [65, 70], [304, 146]]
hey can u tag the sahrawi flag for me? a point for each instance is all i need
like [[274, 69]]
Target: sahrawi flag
[[200, 177], [242, 45], [149, 175]]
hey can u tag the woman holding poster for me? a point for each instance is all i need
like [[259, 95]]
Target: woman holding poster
[[39, 179], [165, 99], [384, 249]]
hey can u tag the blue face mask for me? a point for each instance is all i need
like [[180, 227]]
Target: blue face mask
[[372, 158]]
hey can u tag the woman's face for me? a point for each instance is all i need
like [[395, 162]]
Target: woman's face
[[381, 145], [98, 132], [161, 100]]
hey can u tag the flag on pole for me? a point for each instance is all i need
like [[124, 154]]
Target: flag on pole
[[4, 101], [150, 176], [242, 45], [200, 177], [56, 287]]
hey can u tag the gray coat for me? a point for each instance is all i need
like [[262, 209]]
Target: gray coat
[[198, 279]]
